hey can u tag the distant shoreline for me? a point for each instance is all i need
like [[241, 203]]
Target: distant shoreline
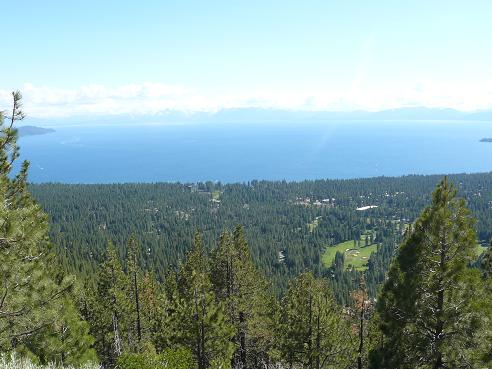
[[485, 139], [33, 131]]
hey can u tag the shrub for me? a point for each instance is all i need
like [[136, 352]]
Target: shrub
[[16, 362], [179, 358], [136, 361]]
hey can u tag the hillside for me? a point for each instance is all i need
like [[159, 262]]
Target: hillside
[[33, 131], [278, 219]]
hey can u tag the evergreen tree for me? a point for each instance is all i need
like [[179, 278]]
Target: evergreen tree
[[487, 263], [67, 341], [361, 306], [108, 309], [24, 248], [428, 303], [170, 304], [134, 277], [485, 305], [202, 325], [313, 333], [153, 311], [37, 313], [244, 292]]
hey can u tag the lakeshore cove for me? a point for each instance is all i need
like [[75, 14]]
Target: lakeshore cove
[[241, 152]]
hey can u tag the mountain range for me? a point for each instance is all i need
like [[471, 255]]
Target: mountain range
[[260, 115]]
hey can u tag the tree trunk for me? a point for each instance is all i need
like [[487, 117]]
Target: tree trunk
[[117, 341], [438, 334], [137, 305], [361, 337], [318, 340], [310, 332], [242, 342]]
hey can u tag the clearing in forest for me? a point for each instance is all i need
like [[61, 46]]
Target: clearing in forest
[[354, 257]]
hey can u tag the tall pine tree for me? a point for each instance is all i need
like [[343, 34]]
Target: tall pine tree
[[428, 303], [108, 309], [485, 306], [134, 279], [249, 305], [313, 333], [202, 324], [37, 313]]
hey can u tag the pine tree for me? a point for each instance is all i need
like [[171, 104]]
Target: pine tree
[[134, 275], [249, 305], [487, 263], [202, 325], [428, 303], [67, 341], [28, 292], [153, 311], [108, 309], [169, 307], [362, 306], [313, 333], [484, 349]]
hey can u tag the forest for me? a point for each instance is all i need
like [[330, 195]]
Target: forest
[[288, 226], [211, 275]]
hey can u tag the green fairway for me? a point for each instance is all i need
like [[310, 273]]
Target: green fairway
[[357, 257], [480, 249], [354, 257]]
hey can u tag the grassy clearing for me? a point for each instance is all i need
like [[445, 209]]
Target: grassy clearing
[[354, 257], [216, 195], [312, 226], [357, 257], [480, 249]]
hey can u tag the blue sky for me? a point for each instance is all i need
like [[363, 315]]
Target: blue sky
[[109, 57]]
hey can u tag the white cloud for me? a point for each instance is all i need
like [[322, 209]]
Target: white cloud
[[150, 98]]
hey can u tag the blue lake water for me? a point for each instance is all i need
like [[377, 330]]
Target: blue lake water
[[238, 153]]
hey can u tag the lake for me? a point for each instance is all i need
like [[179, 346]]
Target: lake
[[241, 152]]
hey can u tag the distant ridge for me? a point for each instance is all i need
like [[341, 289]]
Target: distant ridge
[[33, 131], [261, 115]]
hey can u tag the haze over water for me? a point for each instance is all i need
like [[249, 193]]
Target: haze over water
[[243, 152]]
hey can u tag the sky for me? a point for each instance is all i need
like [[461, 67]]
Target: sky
[[93, 57]]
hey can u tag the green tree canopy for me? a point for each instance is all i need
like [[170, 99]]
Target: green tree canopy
[[36, 313], [428, 303], [202, 325], [313, 333]]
